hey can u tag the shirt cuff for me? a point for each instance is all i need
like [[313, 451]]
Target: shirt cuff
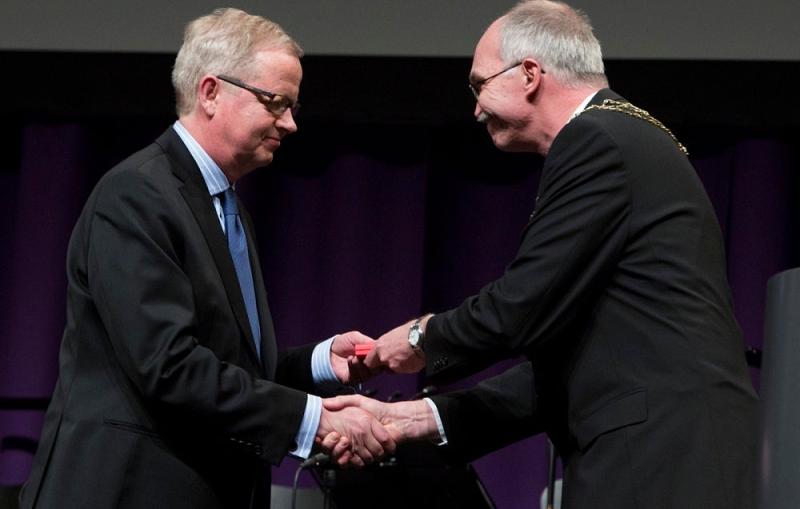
[[308, 427], [442, 436], [321, 369]]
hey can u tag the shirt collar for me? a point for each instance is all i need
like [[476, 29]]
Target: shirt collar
[[583, 104], [215, 179]]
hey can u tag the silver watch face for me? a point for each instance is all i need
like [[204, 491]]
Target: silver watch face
[[413, 337]]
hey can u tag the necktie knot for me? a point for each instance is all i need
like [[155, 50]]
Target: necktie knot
[[228, 201]]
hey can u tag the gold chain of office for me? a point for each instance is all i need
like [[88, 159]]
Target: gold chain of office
[[629, 109]]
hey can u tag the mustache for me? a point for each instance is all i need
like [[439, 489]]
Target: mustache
[[482, 117]]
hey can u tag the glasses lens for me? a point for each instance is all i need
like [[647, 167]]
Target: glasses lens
[[277, 105]]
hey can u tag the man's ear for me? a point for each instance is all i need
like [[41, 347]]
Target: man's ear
[[533, 72], [207, 94]]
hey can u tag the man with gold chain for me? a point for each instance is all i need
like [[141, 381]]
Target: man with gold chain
[[617, 296]]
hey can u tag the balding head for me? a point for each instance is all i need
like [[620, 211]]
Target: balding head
[[559, 37]]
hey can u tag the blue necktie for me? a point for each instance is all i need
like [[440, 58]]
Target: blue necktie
[[237, 244]]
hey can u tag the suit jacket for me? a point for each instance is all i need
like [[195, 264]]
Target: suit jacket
[[619, 298], [161, 400]]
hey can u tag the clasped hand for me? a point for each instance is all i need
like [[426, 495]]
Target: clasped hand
[[353, 436], [358, 430]]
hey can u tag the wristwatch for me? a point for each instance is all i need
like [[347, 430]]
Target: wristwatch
[[416, 336]]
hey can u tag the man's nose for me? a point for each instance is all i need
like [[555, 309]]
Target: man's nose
[[478, 109], [286, 122]]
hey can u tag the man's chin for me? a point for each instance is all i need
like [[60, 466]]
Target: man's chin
[[265, 157], [254, 162], [500, 136], [503, 143], [507, 143]]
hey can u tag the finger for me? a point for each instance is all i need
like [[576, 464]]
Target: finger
[[345, 459], [396, 435], [358, 337], [341, 448], [347, 340], [365, 453], [356, 461], [339, 402], [343, 344], [372, 446], [385, 438], [330, 441], [342, 452], [390, 446], [379, 432]]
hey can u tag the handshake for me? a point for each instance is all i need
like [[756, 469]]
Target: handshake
[[356, 430]]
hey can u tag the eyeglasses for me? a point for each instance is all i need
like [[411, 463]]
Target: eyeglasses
[[275, 103], [478, 85]]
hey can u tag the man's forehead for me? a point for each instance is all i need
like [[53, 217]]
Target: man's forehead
[[271, 59], [277, 68], [487, 54]]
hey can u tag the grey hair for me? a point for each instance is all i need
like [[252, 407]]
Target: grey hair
[[223, 42], [558, 36]]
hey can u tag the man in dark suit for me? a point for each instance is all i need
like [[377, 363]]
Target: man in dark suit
[[617, 296], [171, 391]]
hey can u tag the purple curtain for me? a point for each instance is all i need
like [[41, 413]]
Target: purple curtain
[[358, 227]]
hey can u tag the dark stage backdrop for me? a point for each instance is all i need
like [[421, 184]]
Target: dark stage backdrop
[[389, 202]]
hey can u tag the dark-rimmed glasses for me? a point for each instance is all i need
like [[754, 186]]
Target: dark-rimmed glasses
[[478, 85], [275, 103]]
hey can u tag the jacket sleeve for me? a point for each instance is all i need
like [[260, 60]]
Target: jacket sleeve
[[495, 413], [294, 368]]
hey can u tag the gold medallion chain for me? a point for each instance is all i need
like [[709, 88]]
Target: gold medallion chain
[[630, 109]]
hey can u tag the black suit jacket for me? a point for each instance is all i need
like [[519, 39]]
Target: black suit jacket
[[619, 298], [161, 400]]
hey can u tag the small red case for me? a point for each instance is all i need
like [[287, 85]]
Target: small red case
[[363, 349]]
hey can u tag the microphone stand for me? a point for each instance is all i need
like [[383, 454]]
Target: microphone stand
[[314, 461], [551, 474]]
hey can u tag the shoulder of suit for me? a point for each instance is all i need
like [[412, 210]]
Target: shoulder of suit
[[583, 131], [147, 163], [142, 176]]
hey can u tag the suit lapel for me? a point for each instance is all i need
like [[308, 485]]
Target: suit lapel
[[598, 99], [269, 350], [195, 193]]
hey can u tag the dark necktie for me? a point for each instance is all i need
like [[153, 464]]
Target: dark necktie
[[237, 244]]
